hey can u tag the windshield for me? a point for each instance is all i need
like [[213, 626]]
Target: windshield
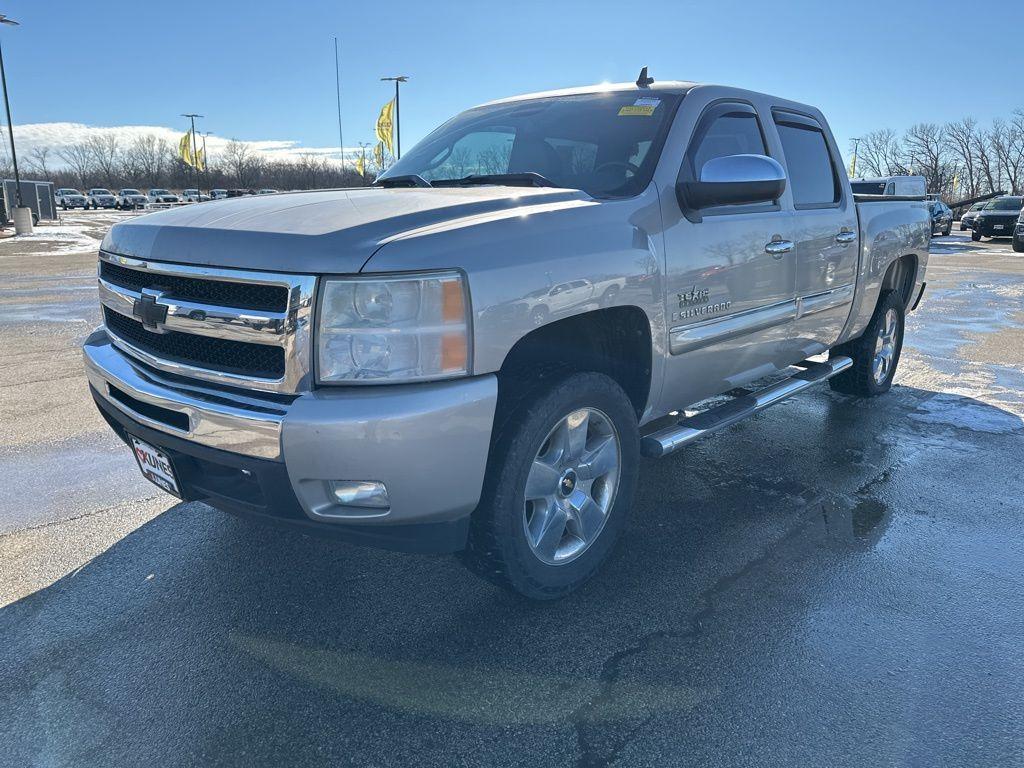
[[868, 187], [100, 192], [70, 192], [130, 192], [1005, 204], [159, 192], [606, 144]]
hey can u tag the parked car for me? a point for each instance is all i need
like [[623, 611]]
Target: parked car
[[67, 197], [101, 198], [162, 196], [942, 217], [339, 361], [913, 186], [970, 215], [267, 192], [193, 196], [218, 194], [131, 199], [1018, 234], [998, 218]]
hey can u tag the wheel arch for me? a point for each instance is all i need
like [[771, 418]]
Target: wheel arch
[[901, 276], [615, 341]]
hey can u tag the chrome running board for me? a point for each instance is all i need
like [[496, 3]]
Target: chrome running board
[[669, 439]]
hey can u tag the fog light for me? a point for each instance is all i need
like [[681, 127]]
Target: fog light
[[360, 493]]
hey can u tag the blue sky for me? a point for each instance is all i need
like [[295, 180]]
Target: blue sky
[[261, 70]]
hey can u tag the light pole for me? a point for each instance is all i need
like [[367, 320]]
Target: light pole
[[362, 147], [853, 168], [195, 147], [10, 124], [398, 115], [206, 167]]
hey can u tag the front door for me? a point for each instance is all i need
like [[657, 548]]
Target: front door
[[730, 273]]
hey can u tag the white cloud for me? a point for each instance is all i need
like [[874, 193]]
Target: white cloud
[[59, 136]]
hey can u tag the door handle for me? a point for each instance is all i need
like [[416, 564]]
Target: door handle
[[779, 248], [846, 237]]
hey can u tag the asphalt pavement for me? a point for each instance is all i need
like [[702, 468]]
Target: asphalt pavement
[[834, 582]]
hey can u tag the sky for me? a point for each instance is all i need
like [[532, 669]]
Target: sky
[[264, 72]]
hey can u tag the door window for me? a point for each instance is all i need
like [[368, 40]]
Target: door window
[[727, 129], [812, 175]]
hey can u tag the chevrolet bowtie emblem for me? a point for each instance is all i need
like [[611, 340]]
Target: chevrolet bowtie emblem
[[149, 312]]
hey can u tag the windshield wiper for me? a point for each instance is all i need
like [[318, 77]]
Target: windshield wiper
[[402, 180], [526, 179]]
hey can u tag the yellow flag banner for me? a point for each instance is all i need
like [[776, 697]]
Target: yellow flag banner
[[386, 126], [361, 165], [378, 155], [200, 163], [185, 150]]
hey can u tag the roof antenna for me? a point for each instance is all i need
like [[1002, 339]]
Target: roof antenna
[[644, 81]]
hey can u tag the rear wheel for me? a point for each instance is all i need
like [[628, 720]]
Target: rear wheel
[[559, 487], [876, 353]]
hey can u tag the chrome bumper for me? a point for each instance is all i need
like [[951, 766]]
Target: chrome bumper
[[249, 426], [428, 443]]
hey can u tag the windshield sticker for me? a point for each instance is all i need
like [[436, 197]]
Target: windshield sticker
[[644, 106], [635, 110]]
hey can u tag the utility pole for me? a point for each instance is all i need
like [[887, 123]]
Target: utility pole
[[398, 115], [853, 168], [10, 123], [337, 87], [195, 147]]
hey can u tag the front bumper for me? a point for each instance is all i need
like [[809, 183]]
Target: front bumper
[[987, 227], [105, 203], [272, 457]]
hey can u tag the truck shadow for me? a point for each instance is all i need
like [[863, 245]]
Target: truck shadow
[[200, 637]]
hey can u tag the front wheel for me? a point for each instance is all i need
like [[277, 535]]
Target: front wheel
[[975, 236], [876, 353], [559, 487], [1018, 245], [947, 230]]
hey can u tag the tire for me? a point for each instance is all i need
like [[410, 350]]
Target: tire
[[1018, 245], [862, 377], [947, 230], [64, 206], [975, 236], [505, 544], [962, 227]]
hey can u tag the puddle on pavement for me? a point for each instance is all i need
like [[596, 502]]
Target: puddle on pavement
[[858, 526], [964, 413]]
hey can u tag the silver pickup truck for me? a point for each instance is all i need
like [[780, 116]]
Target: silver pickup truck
[[473, 355]]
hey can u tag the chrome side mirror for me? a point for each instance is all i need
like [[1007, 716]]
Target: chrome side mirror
[[734, 180]]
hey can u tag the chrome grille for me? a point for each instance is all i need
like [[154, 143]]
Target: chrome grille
[[235, 327]]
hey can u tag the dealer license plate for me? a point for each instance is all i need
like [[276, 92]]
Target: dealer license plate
[[155, 466]]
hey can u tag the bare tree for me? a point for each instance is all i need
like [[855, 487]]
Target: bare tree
[[38, 162], [959, 138], [923, 145], [106, 156], [1006, 140], [879, 153], [79, 159]]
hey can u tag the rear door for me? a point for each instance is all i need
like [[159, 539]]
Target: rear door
[[730, 270], [825, 230]]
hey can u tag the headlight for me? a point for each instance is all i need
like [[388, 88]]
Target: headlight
[[401, 328]]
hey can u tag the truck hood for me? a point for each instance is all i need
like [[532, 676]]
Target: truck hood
[[330, 231]]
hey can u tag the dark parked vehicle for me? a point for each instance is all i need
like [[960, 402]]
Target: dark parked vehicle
[[998, 218], [942, 217], [967, 220], [1018, 235]]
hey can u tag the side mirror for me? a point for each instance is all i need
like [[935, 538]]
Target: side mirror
[[734, 180]]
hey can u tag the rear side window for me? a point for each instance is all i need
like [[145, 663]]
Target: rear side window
[[812, 175]]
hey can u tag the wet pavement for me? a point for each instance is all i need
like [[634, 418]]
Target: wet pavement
[[835, 582]]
